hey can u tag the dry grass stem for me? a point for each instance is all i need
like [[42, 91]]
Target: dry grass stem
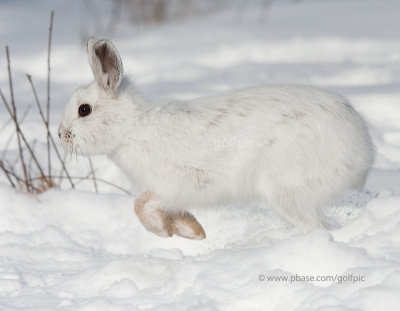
[[14, 117]]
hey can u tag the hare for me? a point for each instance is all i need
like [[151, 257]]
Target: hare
[[295, 147]]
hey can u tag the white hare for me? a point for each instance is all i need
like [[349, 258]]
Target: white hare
[[295, 147]]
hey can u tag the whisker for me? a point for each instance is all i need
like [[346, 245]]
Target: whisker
[[76, 154]]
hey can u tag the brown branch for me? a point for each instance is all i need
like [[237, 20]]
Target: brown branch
[[48, 131], [21, 134], [7, 174], [48, 93], [11, 171], [94, 176], [91, 178], [14, 115], [18, 179], [30, 163]]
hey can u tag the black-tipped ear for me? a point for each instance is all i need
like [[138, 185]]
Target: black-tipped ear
[[106, 64]]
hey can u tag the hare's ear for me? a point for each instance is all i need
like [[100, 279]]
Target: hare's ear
[[106, 64]]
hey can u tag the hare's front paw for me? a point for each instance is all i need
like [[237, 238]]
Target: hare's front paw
[[166, 224], [152, 218]]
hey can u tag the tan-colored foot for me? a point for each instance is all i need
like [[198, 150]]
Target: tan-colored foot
[[165, 224], [186, 225], [152, 218]]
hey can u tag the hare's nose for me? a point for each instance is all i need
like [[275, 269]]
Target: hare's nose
[[59, 134]]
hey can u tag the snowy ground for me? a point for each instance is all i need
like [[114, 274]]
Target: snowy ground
[[77, 250]]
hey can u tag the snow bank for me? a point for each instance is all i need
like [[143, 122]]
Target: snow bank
[[71, 250]]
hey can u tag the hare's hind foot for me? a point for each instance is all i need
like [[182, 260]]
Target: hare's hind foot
[[164, 223], [186, 225]]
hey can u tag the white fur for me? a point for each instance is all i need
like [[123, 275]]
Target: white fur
[[296, 147]]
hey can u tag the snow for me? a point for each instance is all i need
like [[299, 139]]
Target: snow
[[77, 250]]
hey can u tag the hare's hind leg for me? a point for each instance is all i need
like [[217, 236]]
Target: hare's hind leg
[[185, 225], [297, 207], [165, 223]]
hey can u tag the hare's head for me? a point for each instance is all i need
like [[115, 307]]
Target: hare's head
[[92, 122]]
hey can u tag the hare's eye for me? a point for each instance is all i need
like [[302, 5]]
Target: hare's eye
[[84, 110]]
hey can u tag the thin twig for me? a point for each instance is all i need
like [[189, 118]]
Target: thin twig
[[83, 178], [14, 115], [48, 131], [11, 171], [91, 178], [94, 176], [30, 171], [62, 170], [48, 93], [21, 134], [20, 121], [7, 174], [18, 179]]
